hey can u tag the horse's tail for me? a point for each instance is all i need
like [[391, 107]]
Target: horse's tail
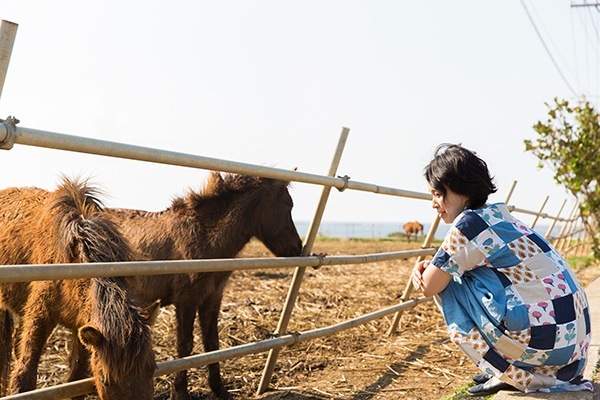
[[83, 232], [6, 341]]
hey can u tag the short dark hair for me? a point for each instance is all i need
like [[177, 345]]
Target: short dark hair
[[462, 171]]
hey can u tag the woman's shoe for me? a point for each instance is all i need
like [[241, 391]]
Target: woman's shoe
[[481, 378], [490, 387]]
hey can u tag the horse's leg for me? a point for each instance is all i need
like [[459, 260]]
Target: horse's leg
[[79, 360], [34, 334], [6, 337], [184, 314], [208, 313]]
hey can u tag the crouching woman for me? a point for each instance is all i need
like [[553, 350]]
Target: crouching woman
[[510, 301]]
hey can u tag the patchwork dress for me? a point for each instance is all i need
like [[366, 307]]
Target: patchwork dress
[[513, 305]]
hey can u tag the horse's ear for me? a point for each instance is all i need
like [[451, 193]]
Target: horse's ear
[[90, 336], [214, 184], [151, 312]]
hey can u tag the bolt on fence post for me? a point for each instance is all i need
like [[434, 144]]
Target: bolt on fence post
[[8, 32], [313, 230], [409, 285]]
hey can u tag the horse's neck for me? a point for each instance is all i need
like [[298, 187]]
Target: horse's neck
[[226, 234]]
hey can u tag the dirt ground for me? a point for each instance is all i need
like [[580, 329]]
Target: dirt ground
[[417, 362]]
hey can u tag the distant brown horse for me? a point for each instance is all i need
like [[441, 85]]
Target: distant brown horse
[[413, 228], [216, 222], [64, 226]]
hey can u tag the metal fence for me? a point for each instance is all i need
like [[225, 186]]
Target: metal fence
[[571, 237]]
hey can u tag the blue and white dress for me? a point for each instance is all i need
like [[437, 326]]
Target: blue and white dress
[[513, 305]]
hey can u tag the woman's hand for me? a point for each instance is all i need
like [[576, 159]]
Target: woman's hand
[[430, 281], [417, 274]]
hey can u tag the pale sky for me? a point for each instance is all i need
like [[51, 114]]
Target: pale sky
[[273, 83]]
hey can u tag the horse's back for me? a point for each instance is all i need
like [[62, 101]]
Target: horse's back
[[160, 235], [413, 227], [19, 208]]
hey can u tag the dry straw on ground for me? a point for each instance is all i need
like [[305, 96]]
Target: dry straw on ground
[[418, 362]]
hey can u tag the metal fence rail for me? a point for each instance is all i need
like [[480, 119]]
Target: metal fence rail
[[11, 134], [40, 272], [85, 386]]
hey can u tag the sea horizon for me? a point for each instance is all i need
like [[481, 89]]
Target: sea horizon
[[378, 230]]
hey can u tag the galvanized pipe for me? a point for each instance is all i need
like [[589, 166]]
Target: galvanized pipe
[[58, 141], [42, 272], [544, 215], [290, 300], [85, 386], [565, 227], [281, 341], [57, 392], [539, 212], [551, 227], [510, 192], [8, 33], [3, 132]]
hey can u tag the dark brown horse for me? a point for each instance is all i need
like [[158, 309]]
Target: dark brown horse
[[64, 226], [214, 223], [413, 228]]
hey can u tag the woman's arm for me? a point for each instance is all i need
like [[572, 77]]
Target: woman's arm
[[430, 279]]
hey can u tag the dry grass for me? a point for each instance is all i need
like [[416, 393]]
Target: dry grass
[[418, 362]]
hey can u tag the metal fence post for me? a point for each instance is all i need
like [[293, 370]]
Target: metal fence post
[[551, 227], [567, 225], [510, 192], [539, 212], [409, 285], [299, 271], [8, 32]]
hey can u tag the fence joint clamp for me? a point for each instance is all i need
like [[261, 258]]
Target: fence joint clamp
[[346, 178], [296, 336], [10, 125], [321, 257]]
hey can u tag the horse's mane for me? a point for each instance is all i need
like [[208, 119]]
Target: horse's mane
[[119, 319], [222, 185], [84, 234]]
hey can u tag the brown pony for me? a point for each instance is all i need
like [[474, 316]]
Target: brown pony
[[214, 223], [413, 228], [40, 227]]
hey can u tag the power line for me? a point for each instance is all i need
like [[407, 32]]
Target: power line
[[584, 4], [555, 48], [590, 39], [547, 49]]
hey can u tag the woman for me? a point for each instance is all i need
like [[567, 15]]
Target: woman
[[510, 301]]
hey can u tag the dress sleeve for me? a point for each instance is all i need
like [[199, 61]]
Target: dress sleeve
[[460, 252]]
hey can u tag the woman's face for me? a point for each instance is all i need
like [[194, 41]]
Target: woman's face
[[449, 206]]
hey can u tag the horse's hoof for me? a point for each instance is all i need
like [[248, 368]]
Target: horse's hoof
[[224, 395], [220, 392], [180, 395]]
